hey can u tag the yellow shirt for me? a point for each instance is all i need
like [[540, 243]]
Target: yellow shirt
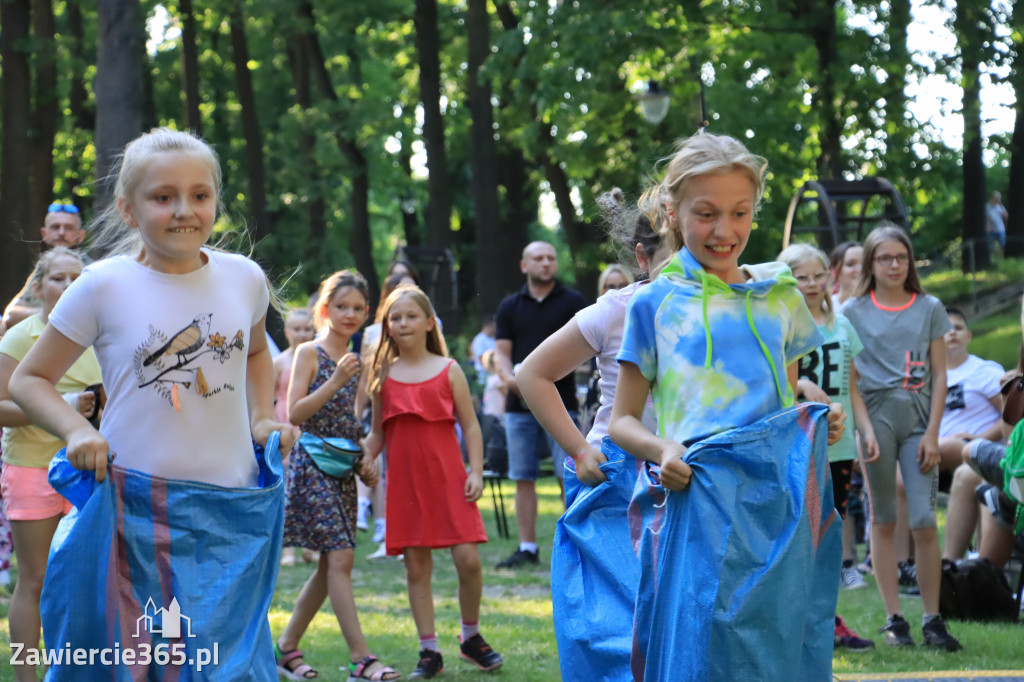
[[31, 446]]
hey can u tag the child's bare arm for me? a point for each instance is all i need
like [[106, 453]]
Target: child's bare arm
[[373, 443], [259, 384], [627, 430], [560, 354], [466, 415], [928, 450], [861, 419], [33, 387]]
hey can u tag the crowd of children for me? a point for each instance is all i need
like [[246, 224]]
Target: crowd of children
[[695, 351]]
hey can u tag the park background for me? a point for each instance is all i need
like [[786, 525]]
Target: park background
[[349, 129]]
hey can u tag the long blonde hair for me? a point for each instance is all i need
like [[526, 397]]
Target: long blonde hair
[[387, 349], [704, 154], [114, 237], [796, 255]]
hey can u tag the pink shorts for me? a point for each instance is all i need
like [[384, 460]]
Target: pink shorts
[[28, 495]]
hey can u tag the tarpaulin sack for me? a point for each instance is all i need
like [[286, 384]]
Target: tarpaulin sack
[[175, 572], [594, 572], [740, 571]]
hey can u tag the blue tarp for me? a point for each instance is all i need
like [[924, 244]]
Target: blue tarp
[[595, 572], [173, 571], [740, 572]]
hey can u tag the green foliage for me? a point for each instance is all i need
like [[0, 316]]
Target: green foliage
[[563, 77]]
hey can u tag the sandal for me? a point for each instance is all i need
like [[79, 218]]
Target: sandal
[[300, 671], [357, 671]]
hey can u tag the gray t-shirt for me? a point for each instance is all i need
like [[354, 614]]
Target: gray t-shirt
[[896, 343]]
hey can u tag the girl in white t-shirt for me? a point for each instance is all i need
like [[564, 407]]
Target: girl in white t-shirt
[[179, 331], [595, 331]]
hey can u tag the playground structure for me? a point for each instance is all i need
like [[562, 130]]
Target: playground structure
[[838, 210]]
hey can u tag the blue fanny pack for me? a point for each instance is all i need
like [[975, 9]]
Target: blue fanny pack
[[334, 457]]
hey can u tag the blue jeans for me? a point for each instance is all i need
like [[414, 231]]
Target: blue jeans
[[527, 444]]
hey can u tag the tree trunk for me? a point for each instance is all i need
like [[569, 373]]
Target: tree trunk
[[46, 111], [78, 99], [520, 196], [117, 87], [360, 241], [250, 129], [83, 115], [439, 210], [1015, 184], [316, 208], [190, 66], [483, 160], [17, 224], [970, 39]]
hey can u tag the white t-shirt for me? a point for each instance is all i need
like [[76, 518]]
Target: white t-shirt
[[968, 390], [481, 344], [601, 325], [494, 398], [173, 351]]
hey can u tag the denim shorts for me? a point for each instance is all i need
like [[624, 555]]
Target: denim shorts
[[528, 443]]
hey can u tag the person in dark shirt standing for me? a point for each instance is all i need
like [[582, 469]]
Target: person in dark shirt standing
[[524, 320]]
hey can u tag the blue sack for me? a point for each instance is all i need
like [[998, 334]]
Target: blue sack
[[163, 579], [595, 572], [740, 571]]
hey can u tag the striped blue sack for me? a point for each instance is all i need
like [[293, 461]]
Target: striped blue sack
[[164, 579], [595, 572], [740, 572]]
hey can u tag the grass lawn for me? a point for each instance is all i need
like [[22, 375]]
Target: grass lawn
[[517, 618]]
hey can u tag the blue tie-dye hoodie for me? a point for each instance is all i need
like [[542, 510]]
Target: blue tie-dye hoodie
[[716, 353]]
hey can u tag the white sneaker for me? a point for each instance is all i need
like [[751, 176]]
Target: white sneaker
[[851, 579], [379, 530], [380, 553]]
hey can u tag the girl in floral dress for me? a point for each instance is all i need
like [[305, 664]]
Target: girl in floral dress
[[320, 512]]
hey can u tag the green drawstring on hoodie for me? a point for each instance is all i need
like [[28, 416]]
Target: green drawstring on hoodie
[[717, 283]]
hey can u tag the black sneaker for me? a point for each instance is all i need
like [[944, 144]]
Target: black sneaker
[[477, 651], [1001, 507], [908, 573], [430, 664], [897, 632], [936, 635], [520, 558]]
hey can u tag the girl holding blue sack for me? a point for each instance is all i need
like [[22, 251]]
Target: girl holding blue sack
[[321, 507], [190, 518], [593, 559], [737, 537]]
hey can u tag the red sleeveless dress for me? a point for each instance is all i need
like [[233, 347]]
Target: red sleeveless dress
[[426, 478]]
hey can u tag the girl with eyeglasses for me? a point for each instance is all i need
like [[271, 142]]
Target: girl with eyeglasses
[[902, 377], [825, 377]]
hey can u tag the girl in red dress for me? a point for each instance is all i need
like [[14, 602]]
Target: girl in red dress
[[417, 394]]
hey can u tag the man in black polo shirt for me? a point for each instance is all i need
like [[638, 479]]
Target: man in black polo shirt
[[525, 319]]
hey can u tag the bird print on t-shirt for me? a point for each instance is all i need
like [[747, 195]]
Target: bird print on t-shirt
[[187, 341], [167, 362]]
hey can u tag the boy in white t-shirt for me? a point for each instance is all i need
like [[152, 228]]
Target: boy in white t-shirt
[[973, 406]]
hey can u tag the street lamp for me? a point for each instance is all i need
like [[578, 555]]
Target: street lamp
[[654, 103]]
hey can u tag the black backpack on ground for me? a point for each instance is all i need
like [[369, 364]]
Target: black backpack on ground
[[974, 589]]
